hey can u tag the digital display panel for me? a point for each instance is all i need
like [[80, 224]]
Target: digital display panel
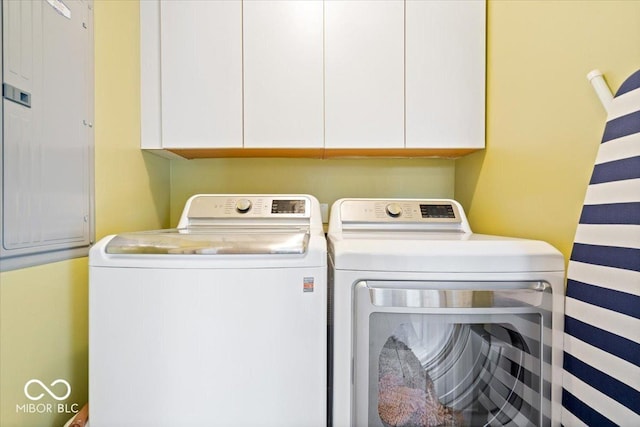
[[288, 207], [437, 211]]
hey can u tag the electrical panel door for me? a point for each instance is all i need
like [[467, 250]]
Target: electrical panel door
[[47, 131]]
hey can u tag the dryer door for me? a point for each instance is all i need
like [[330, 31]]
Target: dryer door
[[452, 353]]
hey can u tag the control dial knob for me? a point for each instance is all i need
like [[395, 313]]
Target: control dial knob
[[394, 210], [243, 205]]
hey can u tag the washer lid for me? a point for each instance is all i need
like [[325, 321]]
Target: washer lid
[[212, 241]]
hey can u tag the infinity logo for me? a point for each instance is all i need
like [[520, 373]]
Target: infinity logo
[[47, 389]]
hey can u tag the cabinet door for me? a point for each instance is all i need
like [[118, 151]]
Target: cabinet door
[[201, 73], [283, 75], [445, 73], [364, 74]]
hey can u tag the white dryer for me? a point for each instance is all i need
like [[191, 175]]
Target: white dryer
[[432, 324], [219, 322]]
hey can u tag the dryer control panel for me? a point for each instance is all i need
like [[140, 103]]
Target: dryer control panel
[[427, 214]]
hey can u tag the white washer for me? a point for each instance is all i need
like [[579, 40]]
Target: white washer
[[432, 324], [220, 322]]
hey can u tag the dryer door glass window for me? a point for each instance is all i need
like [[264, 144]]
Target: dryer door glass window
[[454, 366]]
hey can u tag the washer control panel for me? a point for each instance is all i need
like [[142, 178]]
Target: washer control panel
[[400, 211], [255, 207]]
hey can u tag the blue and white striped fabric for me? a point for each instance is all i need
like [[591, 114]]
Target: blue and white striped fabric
[[601, 378]]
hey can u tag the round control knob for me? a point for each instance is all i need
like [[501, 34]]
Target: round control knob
[[394, 210], [243, 205]]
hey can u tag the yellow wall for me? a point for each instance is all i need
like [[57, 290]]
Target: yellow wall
[[544, 121], [43, 310], [328, 180]]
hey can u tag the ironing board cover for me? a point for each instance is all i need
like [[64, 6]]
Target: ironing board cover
[[601, 378]]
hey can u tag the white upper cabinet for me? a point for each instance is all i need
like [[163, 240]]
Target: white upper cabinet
[[445, 73], [313, 77], [364, 74], [201, 73], [283, 74]]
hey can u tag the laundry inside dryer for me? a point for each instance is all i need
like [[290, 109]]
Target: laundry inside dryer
[[458, 370]]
